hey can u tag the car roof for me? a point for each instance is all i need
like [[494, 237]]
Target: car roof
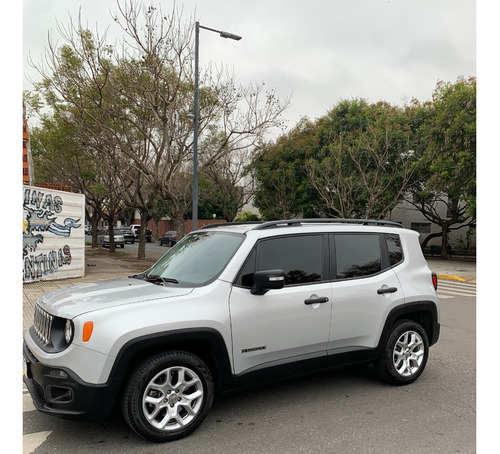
[[328, 224]]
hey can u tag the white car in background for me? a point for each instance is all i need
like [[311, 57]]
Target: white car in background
[[118, 238]]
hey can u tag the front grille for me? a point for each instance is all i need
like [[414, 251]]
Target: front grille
[[43, 325]]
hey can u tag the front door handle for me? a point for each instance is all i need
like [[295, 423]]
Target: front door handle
[[319, 299], [383, 290]]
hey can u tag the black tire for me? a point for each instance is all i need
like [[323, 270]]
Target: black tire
[[405, 354], [180, 391]]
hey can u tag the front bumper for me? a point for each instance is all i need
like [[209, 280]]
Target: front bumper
[[60, 392]]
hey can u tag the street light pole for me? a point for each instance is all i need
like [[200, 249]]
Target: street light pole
[[196, 111]]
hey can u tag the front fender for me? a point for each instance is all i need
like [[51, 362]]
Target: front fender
[[206, 343]]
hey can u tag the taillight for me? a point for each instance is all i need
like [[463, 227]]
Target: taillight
[[435, 281]]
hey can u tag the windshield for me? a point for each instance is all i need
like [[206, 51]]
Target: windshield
[[197, 259]]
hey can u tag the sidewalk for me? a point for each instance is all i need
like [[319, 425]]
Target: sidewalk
[[457, 270], [101, 265]]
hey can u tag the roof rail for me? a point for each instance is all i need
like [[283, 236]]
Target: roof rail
[[224, 224], [259, 225], [298, 222]]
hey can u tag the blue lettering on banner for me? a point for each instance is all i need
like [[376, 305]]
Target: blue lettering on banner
[[41, 212]]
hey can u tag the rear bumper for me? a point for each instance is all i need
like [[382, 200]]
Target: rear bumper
[[60, 392]]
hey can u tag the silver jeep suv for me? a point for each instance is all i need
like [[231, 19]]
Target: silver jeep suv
[[228, 306]]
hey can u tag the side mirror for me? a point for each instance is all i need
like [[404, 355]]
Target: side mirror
[[266, 280]]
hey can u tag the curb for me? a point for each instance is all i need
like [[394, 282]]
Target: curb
[[451, 278]]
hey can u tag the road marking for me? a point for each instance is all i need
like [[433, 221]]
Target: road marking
[[33, 441], [452, 289]]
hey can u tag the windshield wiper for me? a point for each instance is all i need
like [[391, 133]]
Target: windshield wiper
[[165, 280]]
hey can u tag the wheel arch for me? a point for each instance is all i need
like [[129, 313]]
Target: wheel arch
[[207, 344], [424, 313]]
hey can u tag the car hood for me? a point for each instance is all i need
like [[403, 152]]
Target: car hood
[[73, 301]]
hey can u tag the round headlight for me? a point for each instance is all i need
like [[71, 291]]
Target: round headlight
[[68, 331]]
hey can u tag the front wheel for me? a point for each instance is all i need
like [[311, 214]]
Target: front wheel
[[168, 396], [405, 354]]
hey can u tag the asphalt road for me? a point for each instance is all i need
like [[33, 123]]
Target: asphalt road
[[347, 411], [153, 249]]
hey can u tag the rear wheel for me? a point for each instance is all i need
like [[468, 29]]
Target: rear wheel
[[405, 354], [168, 396]]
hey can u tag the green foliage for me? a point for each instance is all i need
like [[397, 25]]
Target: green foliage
[[246, 216], [449, 160], [360, 159], [353, 162], [282, 189], [446, 170]]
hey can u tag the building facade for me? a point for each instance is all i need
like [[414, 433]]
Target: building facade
[[411, 218], [27, 160]]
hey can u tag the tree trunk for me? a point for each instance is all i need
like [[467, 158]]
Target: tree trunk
[[444, 242], [94, 222], [110, 220], [141, 250]]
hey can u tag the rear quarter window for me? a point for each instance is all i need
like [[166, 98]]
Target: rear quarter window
[[394, 248]]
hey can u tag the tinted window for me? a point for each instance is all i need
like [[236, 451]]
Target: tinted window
[[300, 257], [357, 255], [394, 248]]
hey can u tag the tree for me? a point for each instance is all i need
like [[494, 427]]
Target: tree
[[282, 190], [138, 96], [226, 186], [355, 162], [447, 166], [364, 159], [61, 155]]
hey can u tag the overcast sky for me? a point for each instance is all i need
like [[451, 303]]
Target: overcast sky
[[319, 51]]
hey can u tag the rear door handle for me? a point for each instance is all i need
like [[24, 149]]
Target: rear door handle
[[383, 290], [319, 299]]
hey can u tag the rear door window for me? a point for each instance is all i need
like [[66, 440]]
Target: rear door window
[[357, 255]]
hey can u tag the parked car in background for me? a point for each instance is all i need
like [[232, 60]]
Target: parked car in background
[[118, 237], [137, 230], [128, 234], [169, 238]]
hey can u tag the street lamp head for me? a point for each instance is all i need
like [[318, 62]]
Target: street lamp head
[[223, 34], [230, 35]]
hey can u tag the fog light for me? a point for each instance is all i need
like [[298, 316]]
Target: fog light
[[58, 373]]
